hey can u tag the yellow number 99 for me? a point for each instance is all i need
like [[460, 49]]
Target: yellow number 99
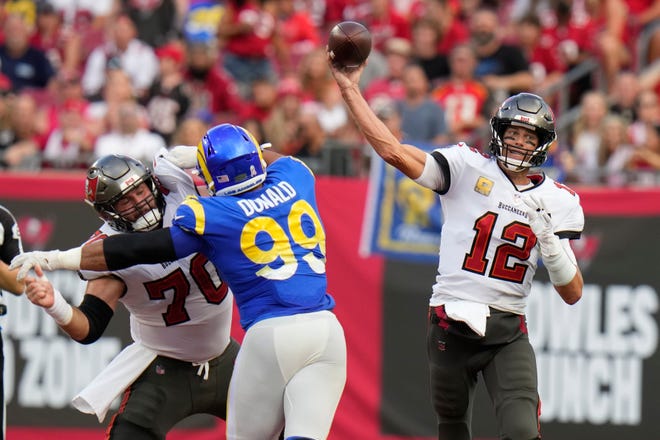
[[281, 247]]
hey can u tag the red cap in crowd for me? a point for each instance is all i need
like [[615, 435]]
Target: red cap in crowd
[[171, 50]]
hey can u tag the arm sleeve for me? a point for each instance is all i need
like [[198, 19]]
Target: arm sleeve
[[436, 173], [167, 244], [98, 315], [125, 250]]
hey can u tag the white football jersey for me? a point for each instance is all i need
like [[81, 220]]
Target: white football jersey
[[180, 309], [487, 249]]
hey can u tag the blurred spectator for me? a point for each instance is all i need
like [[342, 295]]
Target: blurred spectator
[[322, 98], [263, 99], [248, 34], [397, 54], [156, 21], [116, 91], [281, 128], [190, 131], [256, 128], [26, 125], [451, 29], [644, 17], [587, 137], [645, 161], [24, 65], [312, 140], [385, 109], [70, 145], [615, 151], [6, 134], [611, 37], [87, 20], [332, 116], [66, 88], [82, 15], [568, 26], [62, 46], [299, 33], [422, 119], [214, 94], [623, 99], [648, 116], [463, 98], [382, 20], [168, 98], [425, 40], [539, 49], [128, 137], [121, 50], [314, 75], [503, 68]]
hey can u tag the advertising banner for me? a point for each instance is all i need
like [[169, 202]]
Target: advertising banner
[[597, 359]]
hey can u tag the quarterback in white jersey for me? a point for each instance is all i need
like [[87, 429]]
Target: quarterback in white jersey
[[494, 260], [499, 218], [180, 312]]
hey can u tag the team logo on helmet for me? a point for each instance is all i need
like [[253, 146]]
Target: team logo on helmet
[[91, 184]]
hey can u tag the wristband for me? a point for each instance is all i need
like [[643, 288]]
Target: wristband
[[561, 269], [70, 259], [61, 311]]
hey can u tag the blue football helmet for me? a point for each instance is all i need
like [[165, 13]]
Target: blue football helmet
[[529, 111], [230, 160]]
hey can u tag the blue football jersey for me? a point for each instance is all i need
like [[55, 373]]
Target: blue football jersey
[[269, 244]]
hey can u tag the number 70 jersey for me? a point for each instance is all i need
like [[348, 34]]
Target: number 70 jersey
[[269, 244], [488, 252]]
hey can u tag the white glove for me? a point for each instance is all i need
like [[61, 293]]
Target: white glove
[[48, 260], [541, 223], [561, 267], [183, 156]]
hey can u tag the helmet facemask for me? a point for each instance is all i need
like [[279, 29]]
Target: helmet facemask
[[528, 111], [110, 180]]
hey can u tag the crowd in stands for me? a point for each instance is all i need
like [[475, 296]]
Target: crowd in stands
[[84, 78]]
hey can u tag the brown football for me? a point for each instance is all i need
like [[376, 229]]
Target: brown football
[[349, 44]]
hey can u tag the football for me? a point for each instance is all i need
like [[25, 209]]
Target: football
[[349, 44]]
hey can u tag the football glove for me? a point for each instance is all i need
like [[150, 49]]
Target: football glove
[[561, 267], [183, 156], [48, 260]]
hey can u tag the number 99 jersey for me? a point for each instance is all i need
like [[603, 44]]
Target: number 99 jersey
[[269, 243]]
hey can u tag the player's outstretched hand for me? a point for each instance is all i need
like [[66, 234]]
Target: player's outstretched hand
[[48, 260], [38, 289]]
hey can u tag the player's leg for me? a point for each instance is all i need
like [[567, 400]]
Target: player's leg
[[155, 402], [257, 387], [211, 394], [452, 382], [316, 365], [511, 381]]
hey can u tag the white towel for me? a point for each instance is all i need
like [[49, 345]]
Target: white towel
[[127, 366], [472, 313]]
